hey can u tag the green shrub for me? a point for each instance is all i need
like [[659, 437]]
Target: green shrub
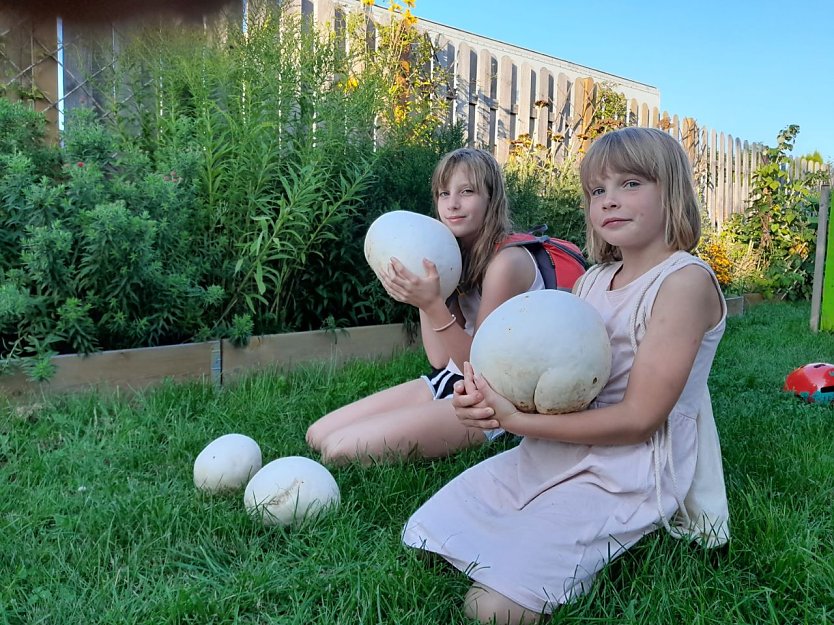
[[542, 190], [99, 253], [773, 242], [225, 193]]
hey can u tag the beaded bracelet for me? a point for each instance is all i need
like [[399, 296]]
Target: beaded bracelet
[[448, 325]]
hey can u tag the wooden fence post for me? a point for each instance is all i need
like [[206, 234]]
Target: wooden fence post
[[585, 98], [822, 295], [506, 108], [525, 101]]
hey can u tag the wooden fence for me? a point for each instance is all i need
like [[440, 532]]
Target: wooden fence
[[499, 92]]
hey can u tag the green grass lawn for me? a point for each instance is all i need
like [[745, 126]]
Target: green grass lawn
[[100, 521]]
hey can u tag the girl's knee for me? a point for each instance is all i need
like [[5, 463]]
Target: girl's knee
[[313, 436], [337, 449], [489, 606]]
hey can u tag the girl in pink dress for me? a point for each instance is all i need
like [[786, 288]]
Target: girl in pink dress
[[532, 526], [416, 417]]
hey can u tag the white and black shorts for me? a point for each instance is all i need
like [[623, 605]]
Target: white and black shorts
[[442, 382], [442, 385]]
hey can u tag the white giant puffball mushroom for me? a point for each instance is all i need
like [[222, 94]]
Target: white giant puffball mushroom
[[290, 489], [411, 237], [546, 351], [227, 463]]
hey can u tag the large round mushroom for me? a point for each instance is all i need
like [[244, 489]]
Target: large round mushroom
[[411, 237], [288, 490], [546, 351]]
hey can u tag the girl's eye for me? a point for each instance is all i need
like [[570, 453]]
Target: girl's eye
[[443, 194], [597, 191], [466, 192], [630, 184]]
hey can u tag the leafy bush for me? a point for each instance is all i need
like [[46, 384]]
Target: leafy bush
[[99, 253], [545, 190], [226, 192], [773, 242]]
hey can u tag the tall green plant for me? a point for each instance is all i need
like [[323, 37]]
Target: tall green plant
[[545, 190], [780, 222], [286, 148]]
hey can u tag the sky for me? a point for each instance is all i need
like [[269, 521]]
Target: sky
[[744, 67]]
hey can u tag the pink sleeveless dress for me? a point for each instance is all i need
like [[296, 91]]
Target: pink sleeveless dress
[[537, 522]]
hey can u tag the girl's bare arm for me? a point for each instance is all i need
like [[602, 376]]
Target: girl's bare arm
[[687, 306]]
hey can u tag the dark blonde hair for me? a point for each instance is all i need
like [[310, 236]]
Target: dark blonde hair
[[655, 155], [485, 175]]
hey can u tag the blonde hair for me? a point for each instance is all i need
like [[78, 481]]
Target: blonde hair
[[485, 175], [656, 156]]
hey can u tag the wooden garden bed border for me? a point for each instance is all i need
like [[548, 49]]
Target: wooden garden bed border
[[223, 363], [217, 361]]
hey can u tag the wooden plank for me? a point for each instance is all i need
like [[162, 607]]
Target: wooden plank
[[487, 101], [822, 293], [689, 139], [461, 68], [585, 97], [506, 114], [284, 351], [325, 13], [525, 100], [544, 106], [633, 112], [720, 197], [738, 180], [128, 369], [561, 124], [746, 174], [713, 180], [45, 70], [454, 84]]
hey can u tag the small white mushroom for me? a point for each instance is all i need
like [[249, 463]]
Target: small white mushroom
[[290, 489], [411, 237], [546, 351], [227, 463]]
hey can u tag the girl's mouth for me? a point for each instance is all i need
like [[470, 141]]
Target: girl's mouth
[[613, 221]]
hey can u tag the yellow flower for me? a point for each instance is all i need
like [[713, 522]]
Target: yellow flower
[[716, 256], [350, 84]]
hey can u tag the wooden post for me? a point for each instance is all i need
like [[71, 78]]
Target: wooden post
[[561, 125], [525, 101], [462, 82], [543, 104], [822, 296], [586, 111], [506, 108], [633, 112], [486, 94]]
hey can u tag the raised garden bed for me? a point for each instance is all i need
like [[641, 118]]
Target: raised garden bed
[[218, 361]]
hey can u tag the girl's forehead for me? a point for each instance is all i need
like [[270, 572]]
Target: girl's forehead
[[606, 172], [462, 172]]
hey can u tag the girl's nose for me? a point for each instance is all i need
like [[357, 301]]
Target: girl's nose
[[610, 201]]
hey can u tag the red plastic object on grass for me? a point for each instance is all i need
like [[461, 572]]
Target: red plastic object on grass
[[814, 382]]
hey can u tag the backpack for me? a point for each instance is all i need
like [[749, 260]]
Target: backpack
[[560, 262]]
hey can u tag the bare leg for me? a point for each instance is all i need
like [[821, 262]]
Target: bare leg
[[426, 430], [393, 423], [415, 392], [490, 606]]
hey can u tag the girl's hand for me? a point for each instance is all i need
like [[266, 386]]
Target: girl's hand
[[477, 405], [409, 288]]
